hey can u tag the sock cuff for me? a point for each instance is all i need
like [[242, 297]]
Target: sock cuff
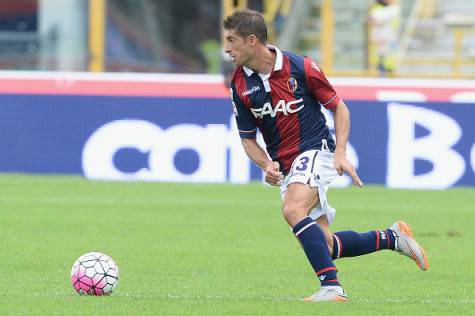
[[337, 247], [301, 226], [392, 236], [385, 239], [377, 239]]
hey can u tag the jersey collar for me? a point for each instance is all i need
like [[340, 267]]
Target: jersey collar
[[278, 61]]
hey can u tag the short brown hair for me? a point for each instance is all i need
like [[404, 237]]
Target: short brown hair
[[247, 22]]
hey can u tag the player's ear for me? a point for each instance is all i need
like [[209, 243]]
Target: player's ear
[[252, 39]]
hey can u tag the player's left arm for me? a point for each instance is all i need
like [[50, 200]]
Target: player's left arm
[[327, 97], [342, 131]]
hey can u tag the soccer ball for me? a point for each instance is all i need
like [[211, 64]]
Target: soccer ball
[[94, 273]]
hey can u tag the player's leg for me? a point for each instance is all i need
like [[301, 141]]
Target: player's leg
[[351, 244], [299, 199], [398, 238]]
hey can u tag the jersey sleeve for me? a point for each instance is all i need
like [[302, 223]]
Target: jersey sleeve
[[319, 86], [246, 122]]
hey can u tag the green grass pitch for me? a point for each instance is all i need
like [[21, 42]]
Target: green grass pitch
[[222, 250]]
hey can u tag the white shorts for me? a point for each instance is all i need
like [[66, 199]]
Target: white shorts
[[316, 168]]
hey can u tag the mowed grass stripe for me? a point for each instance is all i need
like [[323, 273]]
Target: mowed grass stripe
[[190, 249]]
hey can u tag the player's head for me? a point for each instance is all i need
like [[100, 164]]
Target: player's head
[[244, 31]]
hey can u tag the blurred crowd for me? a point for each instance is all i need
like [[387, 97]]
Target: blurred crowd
[[175, 36], [184, 36]]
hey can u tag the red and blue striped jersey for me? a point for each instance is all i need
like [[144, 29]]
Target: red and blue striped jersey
[[285, 106]]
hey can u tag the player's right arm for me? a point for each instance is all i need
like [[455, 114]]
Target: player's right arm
[[247, 126], [255, 152]]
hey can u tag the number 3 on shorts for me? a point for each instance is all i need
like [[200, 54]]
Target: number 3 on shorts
[[303, 164]]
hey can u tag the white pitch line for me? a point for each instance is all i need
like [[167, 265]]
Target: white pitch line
[[126, 201], [291, 298], [174, 296]]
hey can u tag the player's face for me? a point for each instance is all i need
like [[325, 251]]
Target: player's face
[[237, 47]]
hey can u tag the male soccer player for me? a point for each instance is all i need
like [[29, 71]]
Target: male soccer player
[[281, 94]]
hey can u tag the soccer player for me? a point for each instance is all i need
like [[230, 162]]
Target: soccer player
[[281, 94]]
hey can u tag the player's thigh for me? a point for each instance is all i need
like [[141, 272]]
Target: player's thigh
[[299, 200]]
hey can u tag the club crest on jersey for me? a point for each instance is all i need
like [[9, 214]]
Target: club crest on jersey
[[292, 84], [285, 108]]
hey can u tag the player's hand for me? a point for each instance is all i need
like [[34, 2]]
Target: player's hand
[[273, 175], [343, 165]]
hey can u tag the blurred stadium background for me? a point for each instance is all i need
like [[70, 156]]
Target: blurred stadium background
[[133, 90], [437, 37]]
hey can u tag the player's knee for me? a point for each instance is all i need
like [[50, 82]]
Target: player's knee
[[293, 213]]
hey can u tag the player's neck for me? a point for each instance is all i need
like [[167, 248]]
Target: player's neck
[[264, 61]]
